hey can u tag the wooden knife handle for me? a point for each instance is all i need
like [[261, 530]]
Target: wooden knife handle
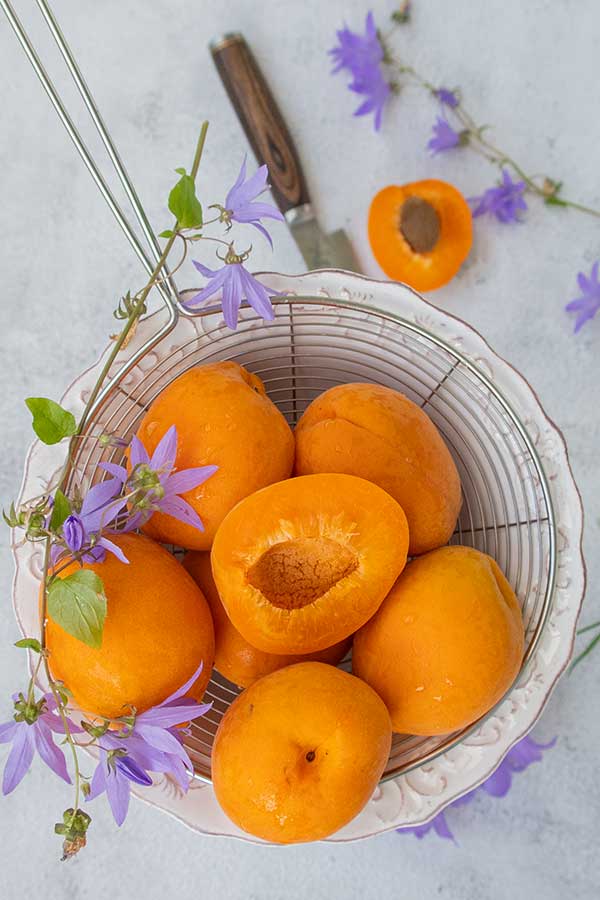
[[261, 119]]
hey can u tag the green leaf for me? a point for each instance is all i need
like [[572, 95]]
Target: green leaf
[[183, 202], [51, 422], [60, 510], [29, 644], [77, 603], [167, 233]]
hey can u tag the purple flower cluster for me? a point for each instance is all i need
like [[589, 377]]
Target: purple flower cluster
[[153, 745], [362, 56], [519, 758], [505, 201]]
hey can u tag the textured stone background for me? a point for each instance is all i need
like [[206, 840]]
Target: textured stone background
[[528, 68]]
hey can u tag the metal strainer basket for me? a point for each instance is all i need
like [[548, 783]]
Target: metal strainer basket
[[313, 343]]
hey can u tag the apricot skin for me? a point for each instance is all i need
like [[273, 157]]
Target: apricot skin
[[300, 752], [224, 418], [379, 434], [445, 645], [281, 582], [235, 658]]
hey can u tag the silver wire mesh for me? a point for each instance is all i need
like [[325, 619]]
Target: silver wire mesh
[[313, 344]]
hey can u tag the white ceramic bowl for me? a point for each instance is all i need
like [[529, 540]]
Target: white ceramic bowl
[[521, 503]]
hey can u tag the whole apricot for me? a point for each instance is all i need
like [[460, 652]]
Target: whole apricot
[[446, 643], [379, 434], [302, 564], [300, 752], [157, 631], [235, 658], [224, 418]]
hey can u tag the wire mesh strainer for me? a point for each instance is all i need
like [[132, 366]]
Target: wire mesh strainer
[[312, 344]]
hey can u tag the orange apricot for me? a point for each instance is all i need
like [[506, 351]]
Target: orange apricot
[[224, 418], [300, 752], [379, 434], [158, 628], [235, 658], [445, 645], [302, 564], [420, 233]]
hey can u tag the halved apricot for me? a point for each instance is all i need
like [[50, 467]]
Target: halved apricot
[[235, 658], [420, 233], [302, 564]]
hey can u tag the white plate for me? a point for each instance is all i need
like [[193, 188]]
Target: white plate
[[414, 797]]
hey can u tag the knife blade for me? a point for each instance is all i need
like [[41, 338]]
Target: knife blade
[[272, 144]]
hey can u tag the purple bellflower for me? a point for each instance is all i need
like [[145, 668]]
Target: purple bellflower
[[241, 205], [236, 285], [362, 56], [504, 201], [30, 731], [153, 486], [444, 137], [587, 305], [84, 529], [153, 745], [446, 97], [518, 758]]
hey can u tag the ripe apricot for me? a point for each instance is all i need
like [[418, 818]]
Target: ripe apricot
[[235, 658], [224, 418], [300, 752], [445, 645], [158, 628], [379, 434], [303, 563]]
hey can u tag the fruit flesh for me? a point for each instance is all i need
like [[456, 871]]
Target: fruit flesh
[[303, 563]]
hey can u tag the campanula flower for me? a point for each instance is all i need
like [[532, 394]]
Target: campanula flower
[[31, 730], [236, 285], [85, 529], [154, 744], [444, 137], [504, 201], [587, 305], [152, 485], [362, 56], [446, 97], [241, 205]]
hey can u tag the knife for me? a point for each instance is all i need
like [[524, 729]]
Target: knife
[[272, 144]]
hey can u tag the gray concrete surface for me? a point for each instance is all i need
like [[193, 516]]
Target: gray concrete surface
[[530, 70]]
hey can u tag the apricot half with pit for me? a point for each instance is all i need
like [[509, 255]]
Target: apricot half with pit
[[223, 418], [446, 644], [302, 564], [379, 434], [235, 658], [300, 752]]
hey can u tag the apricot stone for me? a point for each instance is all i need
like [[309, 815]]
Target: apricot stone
[[379, 434], [446, 644]]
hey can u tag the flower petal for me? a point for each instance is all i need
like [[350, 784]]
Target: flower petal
[[232, 296], [52, 755], [19, 759], [229, 201], [180, 509], [257, 295], [112, 548], [117, 791], [7, 730], [188, 479], [163, 457], [117, 471], [498, 784], [204, 270], [217, 279], [98, 782], [168, 716], [138, 455], [182, 691], [131, 770]]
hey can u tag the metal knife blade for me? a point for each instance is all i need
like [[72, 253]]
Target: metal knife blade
[[273, 145]]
